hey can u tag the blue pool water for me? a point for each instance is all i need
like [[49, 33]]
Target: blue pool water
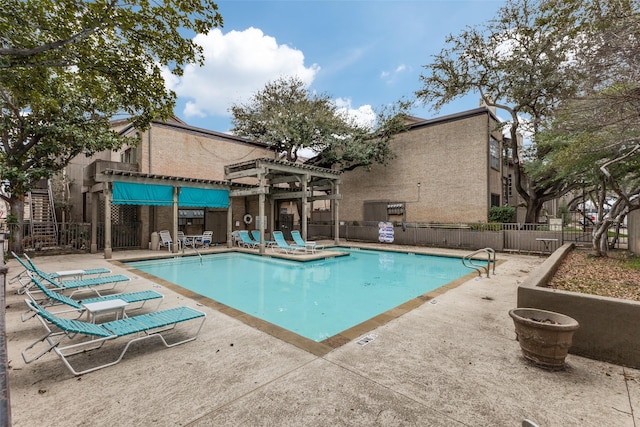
[[316, 299]]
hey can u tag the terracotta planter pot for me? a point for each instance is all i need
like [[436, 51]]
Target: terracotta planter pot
[[545, 336]]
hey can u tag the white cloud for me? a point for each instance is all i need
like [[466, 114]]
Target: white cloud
[[391, 76], [237, 65], [363, 115]]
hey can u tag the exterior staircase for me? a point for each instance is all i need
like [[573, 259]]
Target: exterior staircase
[[43, 226]]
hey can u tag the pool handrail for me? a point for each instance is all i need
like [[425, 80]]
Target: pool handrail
[[468, 261]]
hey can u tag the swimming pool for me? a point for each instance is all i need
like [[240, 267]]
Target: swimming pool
[[315, 299]]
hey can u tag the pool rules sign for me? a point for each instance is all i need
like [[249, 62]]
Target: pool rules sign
[[385, 232]]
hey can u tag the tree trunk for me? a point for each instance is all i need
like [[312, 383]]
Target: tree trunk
[[16, 237], [600, 238], [534, 206]]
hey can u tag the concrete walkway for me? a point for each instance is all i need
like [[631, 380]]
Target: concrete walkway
[[452, 361]]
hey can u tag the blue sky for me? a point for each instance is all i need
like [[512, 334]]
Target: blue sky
[[363, 54]]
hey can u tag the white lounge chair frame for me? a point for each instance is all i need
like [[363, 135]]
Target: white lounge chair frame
[[30, 266], [75, 285], [184, 241], [93, 336], [255, 234], [48, 298], [246, 240], [308, 245], [282, 244], [165, 239], [205, 240]]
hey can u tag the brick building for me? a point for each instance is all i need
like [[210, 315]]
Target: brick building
[[449, 169], [445, 170], [171, 149]]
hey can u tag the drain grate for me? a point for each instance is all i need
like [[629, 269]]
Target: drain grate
[[366, 340]]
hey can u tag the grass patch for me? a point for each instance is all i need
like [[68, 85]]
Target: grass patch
[[633, 263]]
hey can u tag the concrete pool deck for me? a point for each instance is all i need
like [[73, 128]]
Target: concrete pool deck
[[450, 361]]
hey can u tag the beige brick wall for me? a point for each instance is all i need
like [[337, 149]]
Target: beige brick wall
[[167, 150], [450, 160]]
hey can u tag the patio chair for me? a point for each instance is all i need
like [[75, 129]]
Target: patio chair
[[204, 240], [85, 336], [76, 285], [165, 239], [29, 266], [48, 298], [184, 241], [307, 245], [282, 244], [256, 236], [246, 240]]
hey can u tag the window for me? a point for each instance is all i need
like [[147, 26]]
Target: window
[[507, 191], [128, 156], [494, 153], [495, 199]]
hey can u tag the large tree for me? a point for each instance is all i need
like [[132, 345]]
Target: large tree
[[67, 67], [519, 63], [288, 116], [595, 136]]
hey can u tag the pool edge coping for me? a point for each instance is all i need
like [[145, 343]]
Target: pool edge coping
[[316, 348]]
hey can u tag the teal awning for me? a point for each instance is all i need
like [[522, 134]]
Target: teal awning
[[130, 193], [203, 198]]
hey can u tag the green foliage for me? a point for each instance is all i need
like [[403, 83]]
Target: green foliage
[[633, 262], [12, 219], [68, 66], [519, 63], [286, 115], [594, 137], [492, 226], [502, 214], [563, 212]]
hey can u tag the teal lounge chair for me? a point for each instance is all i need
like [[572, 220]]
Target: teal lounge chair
[[29, 266], [256, 236], [282, 244], [85, 336], [76, 285], [47, 297], [307, 245], [76, 274], [246, 240]]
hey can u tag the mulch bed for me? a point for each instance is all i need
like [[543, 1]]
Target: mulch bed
[[611, 276]]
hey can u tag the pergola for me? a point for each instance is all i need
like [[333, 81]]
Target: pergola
[[271, 182], [119, 184], [122, 186]]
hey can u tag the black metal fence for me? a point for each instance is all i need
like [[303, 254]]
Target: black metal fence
[[77, 237]]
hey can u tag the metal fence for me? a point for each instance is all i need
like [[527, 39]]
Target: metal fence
[[527, 238], [501, 237], [77, 237]]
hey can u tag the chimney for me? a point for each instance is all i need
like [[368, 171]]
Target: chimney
[[491, 108]]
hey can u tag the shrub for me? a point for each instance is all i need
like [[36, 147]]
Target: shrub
[[502, 214]]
